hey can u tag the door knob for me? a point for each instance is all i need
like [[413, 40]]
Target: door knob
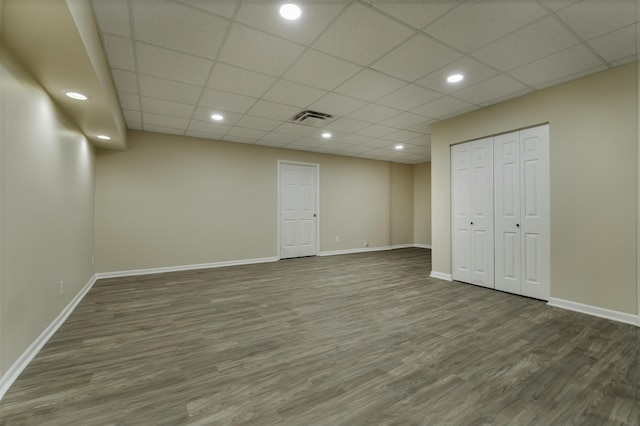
[[472, 223], [517, 225], [314, 215]]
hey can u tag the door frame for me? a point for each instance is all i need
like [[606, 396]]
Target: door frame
[[299, 163]]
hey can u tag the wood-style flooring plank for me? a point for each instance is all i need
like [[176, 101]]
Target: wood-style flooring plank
[[357, 339]]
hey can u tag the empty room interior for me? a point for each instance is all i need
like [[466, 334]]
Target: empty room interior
[[319, 212]]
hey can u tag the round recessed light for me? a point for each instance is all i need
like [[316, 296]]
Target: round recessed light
[[104, 137], [217, 117], [455, 78], [290, 11], [326, 135], [399, 147], [77, 95]]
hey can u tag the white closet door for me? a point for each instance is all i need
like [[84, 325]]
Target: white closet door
[[482, 234], [461, 212], [535, 212], [507, 212]]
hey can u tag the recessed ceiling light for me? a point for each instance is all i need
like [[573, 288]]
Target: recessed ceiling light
[[104, 137], [76, 95], [455, 78], [217, 117], [326, 135], [399, 147], [290, 11]]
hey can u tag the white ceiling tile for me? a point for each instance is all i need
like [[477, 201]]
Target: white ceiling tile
[[354, 149], [403, 136], [239, 81], [374, 113], [497, 100], [376, 131], [279, 138], [526, 45], [617, 44], [159, 106], [409, 97], [131, 116], [134, 126], [624, 61], [119, 51], [222, 8], [295, 129], [354, 139], [476, 23], [273, 110], [163, 130], [204, 114], [172, 65], [171, 90], [573, 60], [129, 101], [113, 17], [594, 18], [369, 85], [418, 14], [257, 123], [405, 120], [239, 139], [125, 81], [164, 121], [204, 135], [211, 127], [224, 101], [175, 26], [316, 16], [242, 132], [474, 72], [416, 58], [320, 70], [290, 93], [337, 105], [493, 88], [441, 107], [422, 127], [347, 125], [255, 50], [361, 35], [304, 143]]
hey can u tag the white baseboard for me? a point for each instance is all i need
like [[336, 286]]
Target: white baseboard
[[27, 356], [427, 246], [133, 272], [595, 311], [356, 250], [401, 246], [441, 276]]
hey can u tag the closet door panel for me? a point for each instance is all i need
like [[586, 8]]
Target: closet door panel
[[461, 209], [507, 212], [535, 212], [482, 232]]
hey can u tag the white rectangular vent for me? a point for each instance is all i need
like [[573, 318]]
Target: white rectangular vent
[[312, 118]]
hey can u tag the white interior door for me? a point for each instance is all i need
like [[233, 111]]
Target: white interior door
[[507, 212], [535, 212], [482, 235], [461, 212], [298, 220]]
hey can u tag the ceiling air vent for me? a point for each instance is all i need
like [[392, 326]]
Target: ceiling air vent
[[312, 118]]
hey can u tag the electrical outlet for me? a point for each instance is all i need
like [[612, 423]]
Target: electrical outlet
[[61, 287], [337, 238], [366, 243]]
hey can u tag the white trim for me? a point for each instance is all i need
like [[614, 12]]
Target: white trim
[[427, 246], [27, 356], [595, 311], [401, 246], [133, 272], [441, 276], [356, 250], [300, 163]]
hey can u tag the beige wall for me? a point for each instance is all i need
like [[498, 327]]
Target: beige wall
[[47, 170], [594, 185], [172, 200], [401, 204], [422, 203]]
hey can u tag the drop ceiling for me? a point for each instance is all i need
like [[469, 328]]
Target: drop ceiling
[[378, 67]]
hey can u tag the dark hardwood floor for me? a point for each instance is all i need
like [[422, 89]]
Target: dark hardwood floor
[[360, 339]]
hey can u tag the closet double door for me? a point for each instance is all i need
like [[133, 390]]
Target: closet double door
[[500, 212]]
